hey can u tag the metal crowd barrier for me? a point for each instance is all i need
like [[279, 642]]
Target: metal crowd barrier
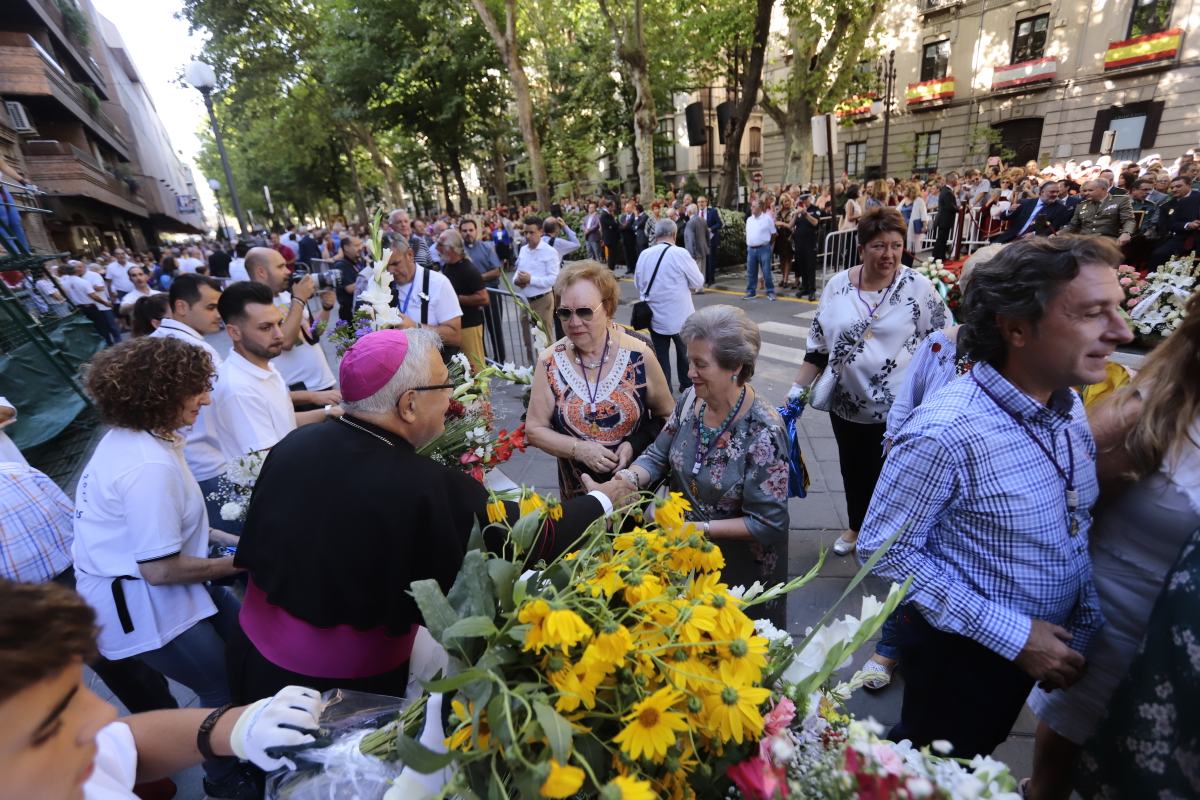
[[506, 337], [841, 252]]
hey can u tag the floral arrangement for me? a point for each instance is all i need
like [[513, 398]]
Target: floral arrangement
[[1164, 298], [1133, 284], [237, 484], [345, 334], [468, 441], [945, 278]]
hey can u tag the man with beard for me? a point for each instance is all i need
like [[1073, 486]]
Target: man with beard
[[251, 405]]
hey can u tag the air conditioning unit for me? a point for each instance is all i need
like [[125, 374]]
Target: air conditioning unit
[[19, 116]]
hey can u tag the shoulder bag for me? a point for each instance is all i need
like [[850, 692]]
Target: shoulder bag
[[642, 316], [820, 395]]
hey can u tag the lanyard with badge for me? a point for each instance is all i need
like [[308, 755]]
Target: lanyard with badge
[[1068, 475]]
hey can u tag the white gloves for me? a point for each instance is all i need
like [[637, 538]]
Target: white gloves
[[288, 719], [795, 392]]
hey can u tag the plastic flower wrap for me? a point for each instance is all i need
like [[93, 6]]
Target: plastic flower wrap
[[236, 485], [945, 279], [1164, 299]]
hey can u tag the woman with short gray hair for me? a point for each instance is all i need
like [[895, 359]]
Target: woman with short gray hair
[[724, 449]]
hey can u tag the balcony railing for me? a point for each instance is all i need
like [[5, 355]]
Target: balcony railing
[[1011, 76], [27, 69], [50, 13], [60, 168]]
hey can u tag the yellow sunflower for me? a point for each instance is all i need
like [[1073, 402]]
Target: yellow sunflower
[[606, 579], [746, 654], [651, 726], [639, 587], [563, 781], [733, 711], [610, 647], [628, 788], [565, 629], [695, 621], [496, 512], [534, 614], [531, 501], [669, 513]]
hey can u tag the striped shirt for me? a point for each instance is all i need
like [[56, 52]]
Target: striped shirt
[[35, 525], [986, 528]]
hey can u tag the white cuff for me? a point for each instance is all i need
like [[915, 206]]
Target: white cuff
[[604, 501]]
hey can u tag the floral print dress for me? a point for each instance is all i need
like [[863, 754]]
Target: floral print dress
[[745, 474]]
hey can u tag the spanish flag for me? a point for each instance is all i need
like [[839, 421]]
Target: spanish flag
[[1143, 49], [936, 89]]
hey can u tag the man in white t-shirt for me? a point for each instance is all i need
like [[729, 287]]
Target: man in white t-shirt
[[303, 363], [424, 298], [251, 405], [670, 297], [237, 265], [194, 315], [537, 268], [760, 234], [117, 274], [192, 262], [62, 742], [90, 299]]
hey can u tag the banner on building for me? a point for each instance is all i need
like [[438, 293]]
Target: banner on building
[[1026, 72], [186, 204], [1144, 49], [927, 91]]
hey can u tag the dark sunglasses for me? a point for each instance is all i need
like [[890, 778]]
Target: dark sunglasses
[[585, 314], [435, 387]]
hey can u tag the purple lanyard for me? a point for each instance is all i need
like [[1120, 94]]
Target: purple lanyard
[[1067, 476], [858, 290]]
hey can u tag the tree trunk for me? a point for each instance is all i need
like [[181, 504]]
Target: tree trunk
[[395, 193], [444, 180], [751, 83], [360, 205], [645, 124], [499, 171], [464, 199], [507, 44]]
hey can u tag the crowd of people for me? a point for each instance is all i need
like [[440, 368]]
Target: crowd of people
[[969, 461]]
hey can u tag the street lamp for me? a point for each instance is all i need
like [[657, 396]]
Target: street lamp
[[886, 72], [202, 77], [215, 184]]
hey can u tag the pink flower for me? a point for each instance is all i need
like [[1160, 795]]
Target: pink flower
[[468, 457], [1126, 281], [758, 780], [1135, 290], [779, 717], [888, 759], [1133, 301]]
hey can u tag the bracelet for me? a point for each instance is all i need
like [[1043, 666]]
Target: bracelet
[[630, 477], [205, 733], [328, 407], [327, 308]]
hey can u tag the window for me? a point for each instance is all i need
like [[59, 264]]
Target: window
[[1150, 16], [935, 60], [1136, 126], [664, 147], [856, 157], [925, 157], [1128, 144], [755, 158], [1029, 40]]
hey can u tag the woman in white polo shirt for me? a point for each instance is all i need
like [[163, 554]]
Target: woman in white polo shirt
[[141, 528]]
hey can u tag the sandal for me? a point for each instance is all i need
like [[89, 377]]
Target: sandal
[[878, 677]]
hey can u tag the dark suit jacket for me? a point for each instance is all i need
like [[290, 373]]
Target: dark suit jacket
[[1174, 214], [947, 208], [610, 229], [309, 249], [713, 219], [1058, 215]]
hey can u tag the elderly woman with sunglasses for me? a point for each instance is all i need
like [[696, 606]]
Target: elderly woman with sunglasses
[[599, 396]]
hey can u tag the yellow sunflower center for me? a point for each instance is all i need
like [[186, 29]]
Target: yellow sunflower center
[[648, 717]]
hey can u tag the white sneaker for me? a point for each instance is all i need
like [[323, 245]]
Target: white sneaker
[[877, 676]]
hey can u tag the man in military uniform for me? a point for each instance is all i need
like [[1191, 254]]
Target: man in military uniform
[[1102, 214]]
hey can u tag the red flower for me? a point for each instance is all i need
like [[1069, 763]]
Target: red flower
[[476, 473], [758, 779], [468, 457], [455, 410]]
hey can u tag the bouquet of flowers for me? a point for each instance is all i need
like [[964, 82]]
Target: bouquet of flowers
[[1164, 299], [345, 334], [468, 441], [375, 311], [1133, 284], [945, 278], [237, 484]]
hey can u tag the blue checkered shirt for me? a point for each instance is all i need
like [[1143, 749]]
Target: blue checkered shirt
[[36, 525], [988, 539]]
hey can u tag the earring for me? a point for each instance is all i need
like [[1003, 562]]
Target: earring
[[733, 378]]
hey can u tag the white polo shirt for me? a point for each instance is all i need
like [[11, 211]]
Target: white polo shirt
[[670, 297], [443, 300], [304, 363], [78, 290], [251, 408], [136, 502], [759, 229], [202, 451], [118, 274], [542, 263], [189, 264], [237, 270], [132, 297], [98, 285], [115, 765]]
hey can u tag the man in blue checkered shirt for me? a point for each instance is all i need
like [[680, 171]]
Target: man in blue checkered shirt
[[992, 481]]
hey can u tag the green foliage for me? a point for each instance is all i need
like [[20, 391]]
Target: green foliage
[[732, 250], [75, 22], [90, 97]]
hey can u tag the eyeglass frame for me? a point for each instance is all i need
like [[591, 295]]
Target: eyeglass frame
[[574, 312], [433, 388]]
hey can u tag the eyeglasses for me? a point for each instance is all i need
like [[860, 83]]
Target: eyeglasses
[[585, 314], [433, 388]]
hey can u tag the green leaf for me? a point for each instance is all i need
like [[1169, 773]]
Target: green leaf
[[525, 532], [520, 591], [471, 595], [504, 575], [558, 730], [417, 756], [475, 541], [435, 609], [455, 681], [469, 627]]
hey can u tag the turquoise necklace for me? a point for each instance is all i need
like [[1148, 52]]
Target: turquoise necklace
[[706, 437]]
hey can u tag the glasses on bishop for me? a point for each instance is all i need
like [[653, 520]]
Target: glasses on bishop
[[433, 388]]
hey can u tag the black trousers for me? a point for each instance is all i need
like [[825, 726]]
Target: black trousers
[[662, 349], [955, 689], [493, 320], [939, 241], [611, 249], [860, 453], [806, 265], [710, 264]]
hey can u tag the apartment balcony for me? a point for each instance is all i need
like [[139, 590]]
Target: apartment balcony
[[45, 14], [1013, 77], [30, 74], [859, 107], [930, 93], [1152, 49], [63, 169]]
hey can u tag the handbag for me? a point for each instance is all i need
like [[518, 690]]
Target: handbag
[[820, 395], [918, 226], [642, 316]]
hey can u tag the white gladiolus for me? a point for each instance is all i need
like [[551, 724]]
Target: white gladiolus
[[231, 511]]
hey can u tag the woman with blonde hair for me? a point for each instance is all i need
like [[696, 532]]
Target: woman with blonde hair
[[1148, 463], [916, 214], [599, 395], [783, 242]]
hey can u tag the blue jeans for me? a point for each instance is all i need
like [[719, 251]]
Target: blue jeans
[[756, 256], [196, 658], [889, 635]]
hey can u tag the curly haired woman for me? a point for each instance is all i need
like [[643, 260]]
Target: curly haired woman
[[141, 528]]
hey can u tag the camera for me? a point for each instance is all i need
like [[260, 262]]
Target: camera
[[324, 280]]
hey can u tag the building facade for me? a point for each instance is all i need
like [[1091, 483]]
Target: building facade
[[82, 131], [1022, 80]]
